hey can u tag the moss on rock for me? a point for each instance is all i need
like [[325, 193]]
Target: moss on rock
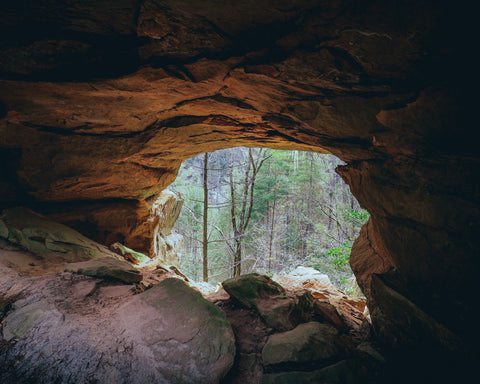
[[20, 321], [41, 236], [106, 267], [250, 288]]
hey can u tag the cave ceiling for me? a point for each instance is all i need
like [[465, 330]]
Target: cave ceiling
[[101, 101], [104, 99]]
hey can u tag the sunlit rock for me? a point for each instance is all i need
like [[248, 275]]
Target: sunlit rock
[[164, 213], [129, 254]]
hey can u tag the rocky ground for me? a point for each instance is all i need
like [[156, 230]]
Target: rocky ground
[[99, 319]]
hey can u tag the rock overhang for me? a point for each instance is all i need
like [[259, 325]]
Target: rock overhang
[[100, 106]]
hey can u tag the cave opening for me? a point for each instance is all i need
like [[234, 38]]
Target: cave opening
[[268, 212], [102, 103]]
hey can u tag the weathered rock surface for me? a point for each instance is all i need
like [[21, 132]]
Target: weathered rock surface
[[129, 254], [279, 311], [191, 339], [106, 267], [249, 289], [77, 329], [309, 344], [167, 333], [264, 353], [49, 244], [101, 104], [164, 213], [18, 323], [328, 313], [306, 278], [329, 304]]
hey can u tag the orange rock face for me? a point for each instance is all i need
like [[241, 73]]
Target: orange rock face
[[101, 104]]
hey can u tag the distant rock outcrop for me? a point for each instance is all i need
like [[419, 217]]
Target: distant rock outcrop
[[164, 213]]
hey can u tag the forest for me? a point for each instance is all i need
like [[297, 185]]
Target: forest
[[267, 211]]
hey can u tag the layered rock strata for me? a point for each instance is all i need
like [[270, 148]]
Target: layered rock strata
[[99, 107]]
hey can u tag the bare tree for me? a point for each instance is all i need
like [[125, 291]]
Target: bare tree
[[241, 206], [205, 217]]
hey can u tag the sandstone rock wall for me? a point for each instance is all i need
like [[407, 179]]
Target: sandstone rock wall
[[165, 211], [99, 107]]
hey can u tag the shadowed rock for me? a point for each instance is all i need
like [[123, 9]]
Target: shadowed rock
[[106, 267], [306, 345], [187, 337], [279, 311]]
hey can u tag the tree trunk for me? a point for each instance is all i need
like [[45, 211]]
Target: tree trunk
[[205, 217], [237, 259]]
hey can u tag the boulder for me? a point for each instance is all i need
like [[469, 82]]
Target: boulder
[[106, 267], [249, 289], [307, 345], [279, 311], [186, 337], [167, 334], [309, 279], [286, 312]]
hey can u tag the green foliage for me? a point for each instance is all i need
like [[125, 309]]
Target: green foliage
[[303, 214], [340, 256], [358, 216]]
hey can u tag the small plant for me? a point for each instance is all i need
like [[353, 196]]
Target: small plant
[[360, 216], [340, 256]]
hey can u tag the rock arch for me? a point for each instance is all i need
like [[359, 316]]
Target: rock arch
[[101, 104]]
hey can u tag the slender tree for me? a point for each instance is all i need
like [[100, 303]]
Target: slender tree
[[205, 217], [241, 207]]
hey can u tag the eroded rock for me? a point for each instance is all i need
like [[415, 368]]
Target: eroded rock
[[22, 319], [279, 311], [328, 313], [49, 243], [108, 334], [101, 104], [249, 289], [185, 336], [129, 254], [307, 345], [164, 213], [106, 267]]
